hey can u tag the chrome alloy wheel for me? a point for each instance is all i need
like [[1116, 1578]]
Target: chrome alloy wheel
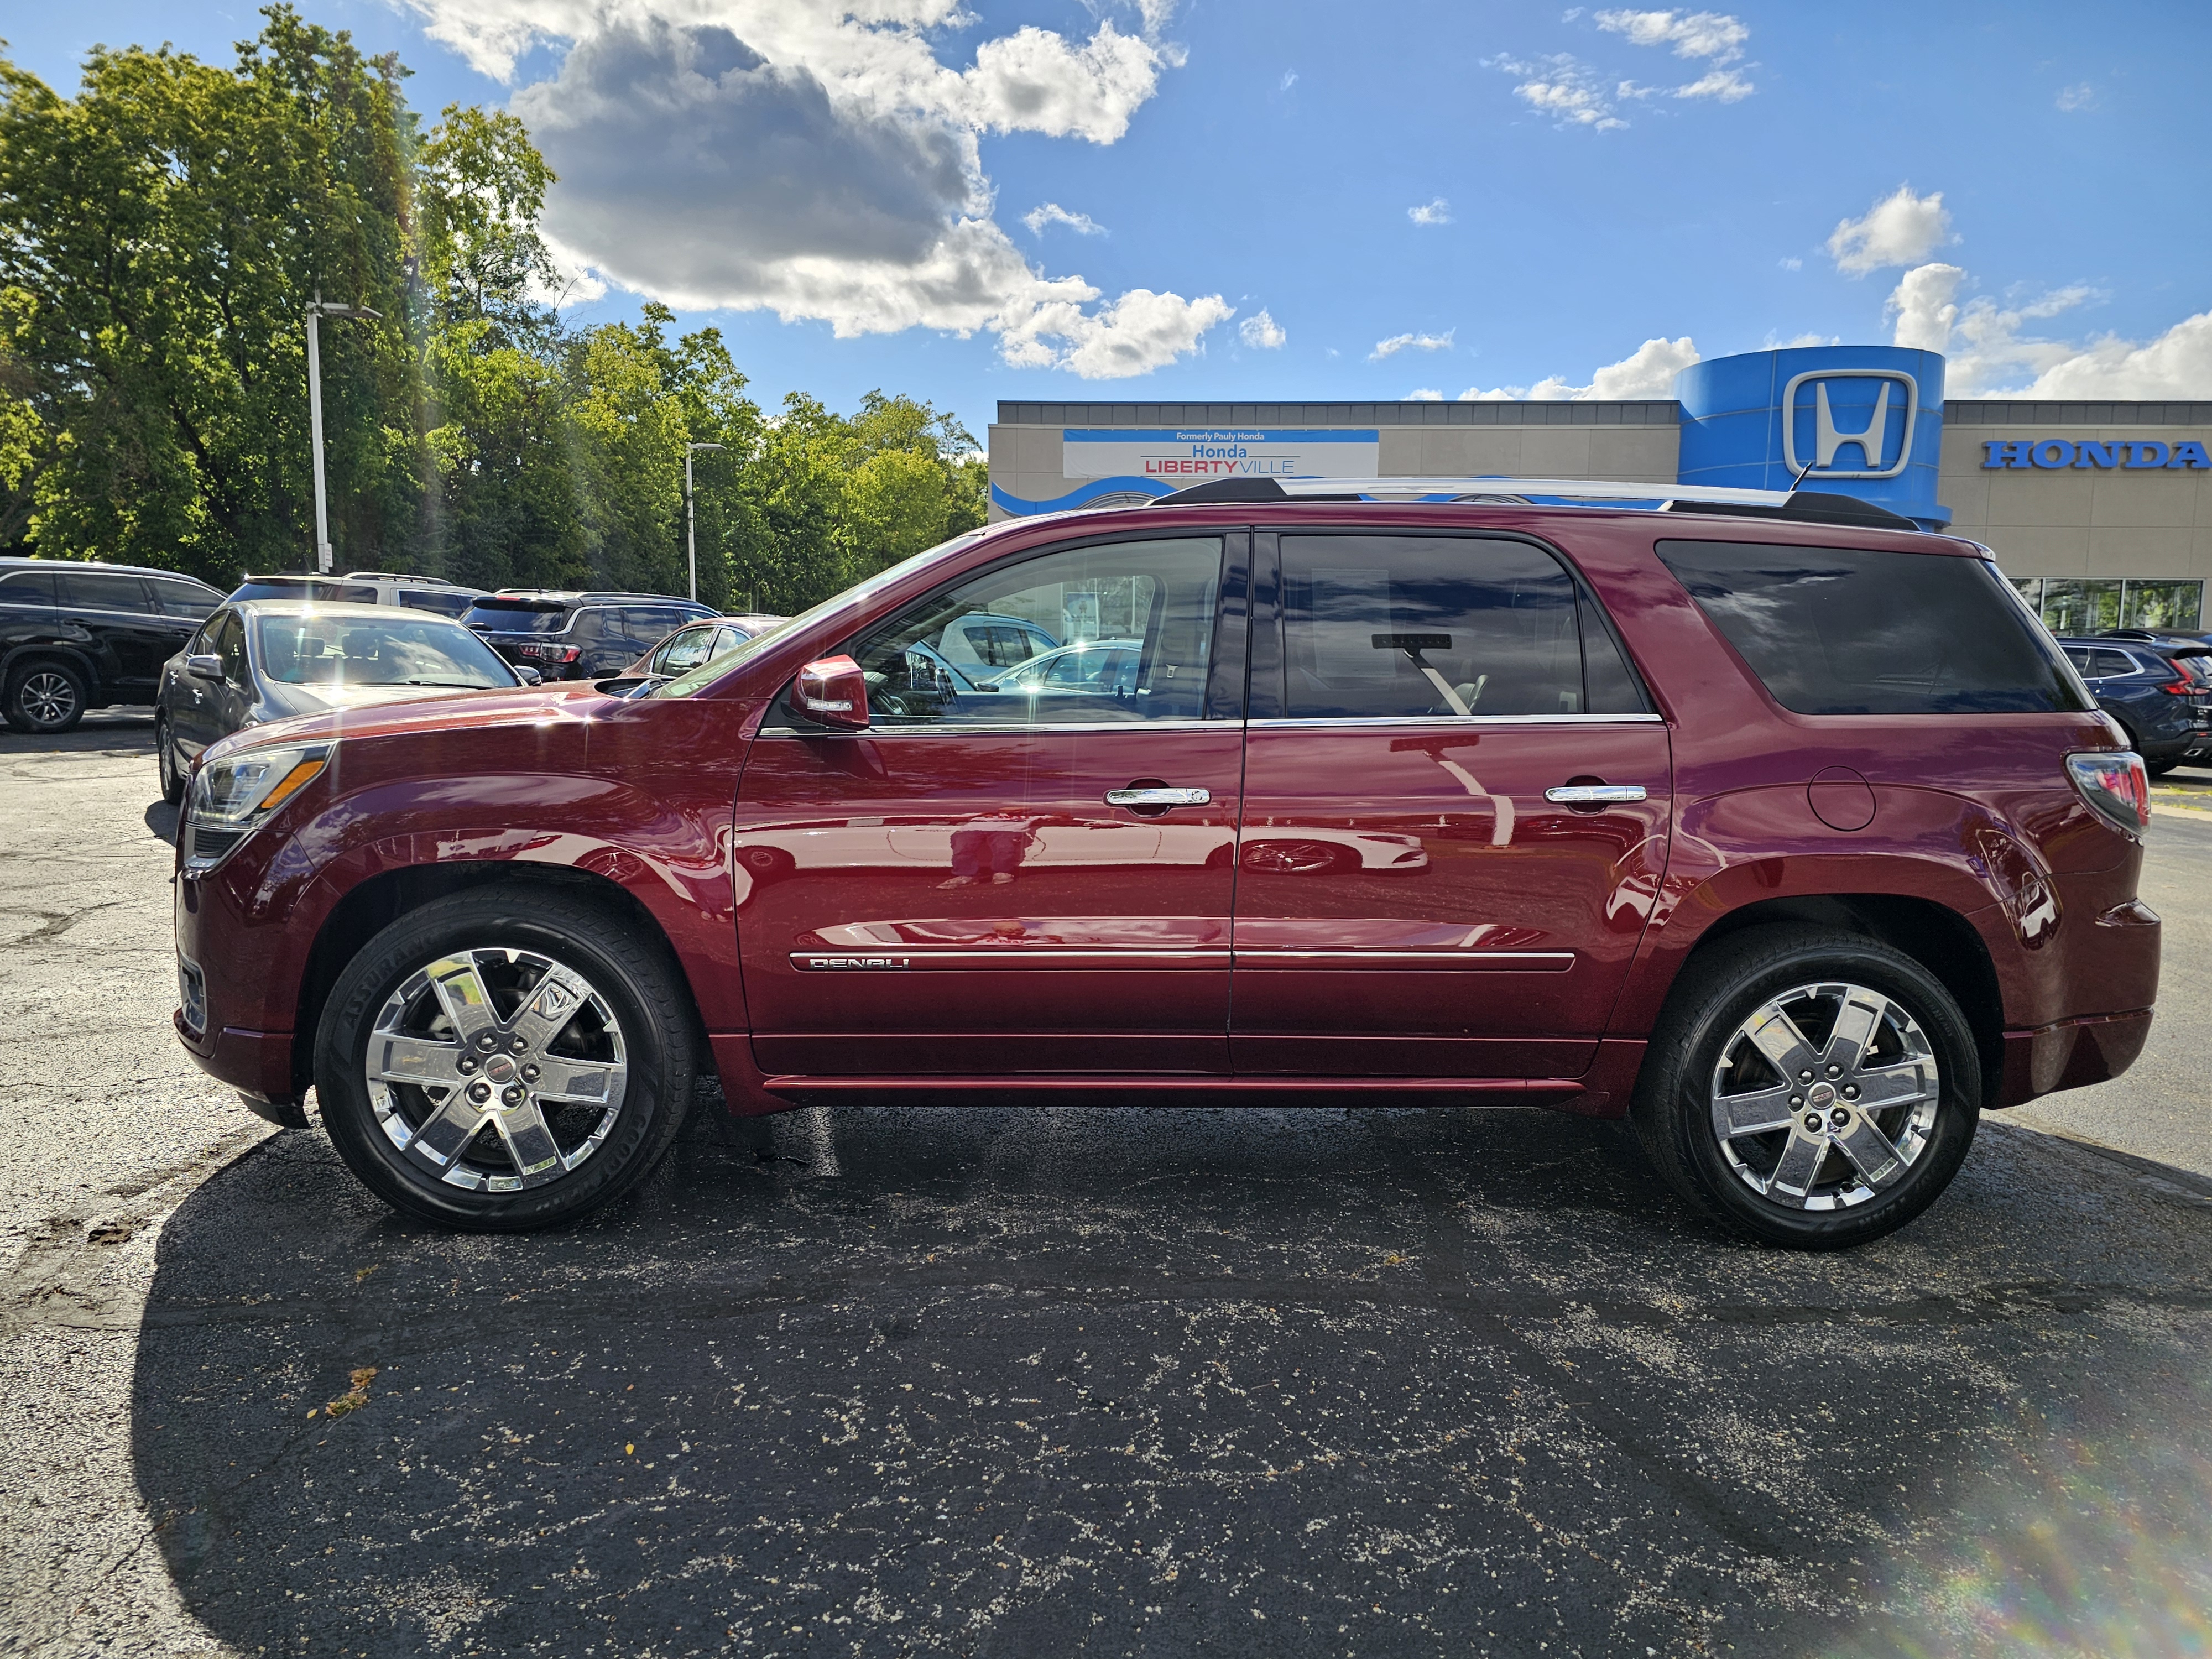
[[496, 1070], [45, 698], [1825, 1097]]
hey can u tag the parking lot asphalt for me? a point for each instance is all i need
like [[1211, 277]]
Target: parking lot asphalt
[[883, 1380]]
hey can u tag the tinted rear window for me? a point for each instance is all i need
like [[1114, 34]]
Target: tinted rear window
[[1844, 631], [513, 616]]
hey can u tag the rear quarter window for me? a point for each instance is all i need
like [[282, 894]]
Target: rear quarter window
[[1850, 631]]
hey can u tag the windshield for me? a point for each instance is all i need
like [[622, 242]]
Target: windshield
[[517, 617], [707, 673], [313, 650]]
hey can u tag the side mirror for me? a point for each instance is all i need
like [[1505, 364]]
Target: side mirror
[[528, 676], [835, 692], [204, 664]]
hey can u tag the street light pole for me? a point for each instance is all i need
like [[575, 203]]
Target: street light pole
[[316, 311], [692, 518]]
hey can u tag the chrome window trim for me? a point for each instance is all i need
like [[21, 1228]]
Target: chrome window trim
[[1310, 721], [977, 728]]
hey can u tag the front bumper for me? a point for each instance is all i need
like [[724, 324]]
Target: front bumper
[[257, 1063]]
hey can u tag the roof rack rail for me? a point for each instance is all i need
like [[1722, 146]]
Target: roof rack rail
[[1803, 505]]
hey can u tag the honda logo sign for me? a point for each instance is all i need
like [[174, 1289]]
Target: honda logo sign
[[1867, 440]]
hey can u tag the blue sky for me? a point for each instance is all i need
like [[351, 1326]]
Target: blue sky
[[1608, 193]]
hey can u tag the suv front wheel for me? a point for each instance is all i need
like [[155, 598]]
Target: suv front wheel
[[1814, 1090], [505, 1059]]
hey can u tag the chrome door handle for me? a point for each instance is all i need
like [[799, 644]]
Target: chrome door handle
[[1159, 797], [1593, 794]]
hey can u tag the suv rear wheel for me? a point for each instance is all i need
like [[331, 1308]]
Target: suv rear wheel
[[501, 1059], [1814, 1090], [45, 696]]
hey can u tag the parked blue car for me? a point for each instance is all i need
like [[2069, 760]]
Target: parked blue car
[[2153, 686]]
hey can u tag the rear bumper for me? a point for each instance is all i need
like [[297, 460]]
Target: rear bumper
[[2071, 1055]]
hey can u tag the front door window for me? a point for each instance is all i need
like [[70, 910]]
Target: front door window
[[960, 655], [970, 885]]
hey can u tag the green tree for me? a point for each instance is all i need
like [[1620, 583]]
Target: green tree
[[161, 234], [158, 234]]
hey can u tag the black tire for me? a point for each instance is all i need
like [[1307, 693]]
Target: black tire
[[45, 696], [1675, 1110], [632, 974], [2160, 768], [165, 762]]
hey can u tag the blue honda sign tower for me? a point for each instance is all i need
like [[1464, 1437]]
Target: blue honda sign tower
[[1863, 421]]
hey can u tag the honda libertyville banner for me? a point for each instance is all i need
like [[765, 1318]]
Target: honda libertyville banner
[[1193, 456]]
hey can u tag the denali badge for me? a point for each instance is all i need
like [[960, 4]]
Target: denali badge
[[853, 962]]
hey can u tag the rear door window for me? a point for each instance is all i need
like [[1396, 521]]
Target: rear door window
[[1409, 627], [1847, 631], [2111, 665], [103, 589]]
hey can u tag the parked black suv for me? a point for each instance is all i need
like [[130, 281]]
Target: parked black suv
[[579, 636], [74, 636], [2152, 686]]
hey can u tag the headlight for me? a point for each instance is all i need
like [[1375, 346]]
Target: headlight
[[234, 797]]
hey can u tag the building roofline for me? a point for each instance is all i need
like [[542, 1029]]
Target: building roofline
[[1652, 411]]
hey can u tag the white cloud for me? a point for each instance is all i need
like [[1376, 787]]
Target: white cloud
[[1647, 372], [1994, 349], [1290, 80], [1775, 343], [1398, 342], [2075, 98], [820, 162], [1261, 332], [1437, 212], [1900, 229], [1563, 88], [1724, 84], [1924, 304], [1133, 335], [1692, 33], [2177, 364], [1425, 394], [1033, 81], [1051, 213]]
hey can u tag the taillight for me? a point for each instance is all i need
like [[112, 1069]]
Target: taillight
[[2178, 688], [2114, 783], [571, 653]]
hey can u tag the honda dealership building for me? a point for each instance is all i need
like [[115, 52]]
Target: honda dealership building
[[2101, 512]]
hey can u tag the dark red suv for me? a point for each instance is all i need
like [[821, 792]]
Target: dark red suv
[[1792, 837]]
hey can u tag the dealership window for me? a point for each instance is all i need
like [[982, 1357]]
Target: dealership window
[[2071, 606]]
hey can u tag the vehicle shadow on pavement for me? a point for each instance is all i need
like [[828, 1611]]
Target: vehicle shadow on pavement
[[101, 732], [1066, 1381]]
